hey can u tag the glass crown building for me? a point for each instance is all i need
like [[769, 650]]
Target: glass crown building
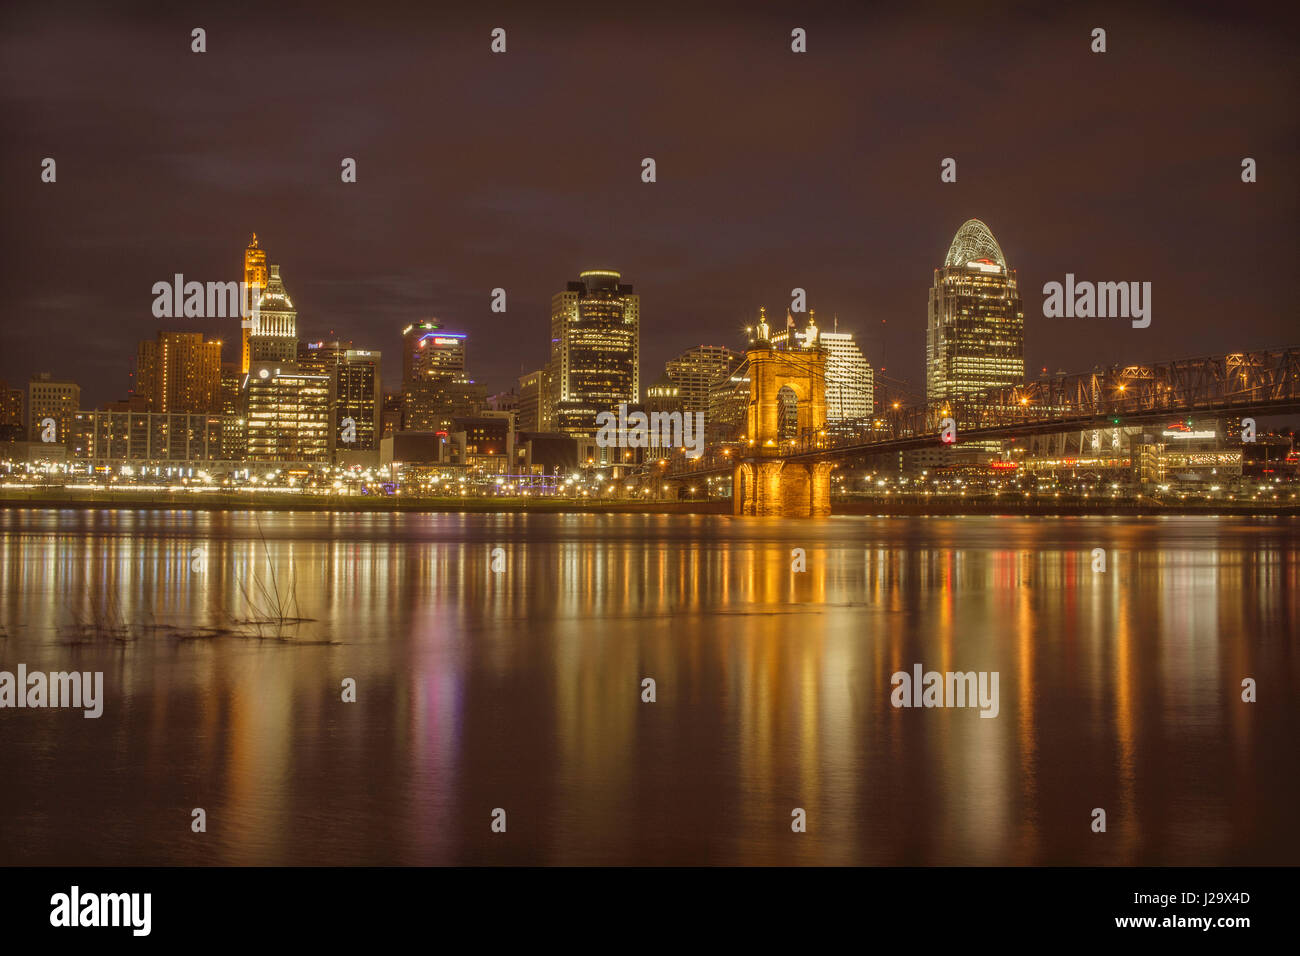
[[975, 335]]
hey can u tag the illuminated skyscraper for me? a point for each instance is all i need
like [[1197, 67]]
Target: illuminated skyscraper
[[275, 335], [49, 398], [288, 414], [697, 370], [595, 352], [254, 282], [234, 413], [850, 385], [11, 408], [530, 401], [435, 385], [354, 391], [975, 338], [179, 372]]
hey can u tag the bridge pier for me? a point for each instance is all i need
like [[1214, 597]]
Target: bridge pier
[[776, 488]]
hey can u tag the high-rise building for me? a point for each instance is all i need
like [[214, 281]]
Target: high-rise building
[[975, 337], [390, 417], [288, 414], [665, 396], [179, 372], [274, 336], [728, 403], [696, 370], [49, 398], [354, 389], [850, 391], [11, 407], [234, 413], [530, 401], [254, 283], [850, 380], [435, 385], [595, 352]]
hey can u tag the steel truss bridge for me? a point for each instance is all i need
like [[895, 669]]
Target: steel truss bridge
[[1241, 383]]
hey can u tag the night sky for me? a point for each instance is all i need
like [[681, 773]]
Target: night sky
[[520, 170]]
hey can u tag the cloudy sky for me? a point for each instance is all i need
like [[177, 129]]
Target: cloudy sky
[[775, 170]]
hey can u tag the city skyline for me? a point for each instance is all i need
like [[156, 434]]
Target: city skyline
[[516, 206], [274, 293]]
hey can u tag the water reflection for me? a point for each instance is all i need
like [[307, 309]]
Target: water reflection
[[522, 689]]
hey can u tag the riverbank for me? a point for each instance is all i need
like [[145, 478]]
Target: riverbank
[[1049, 506], [127, 499], [269, 501]]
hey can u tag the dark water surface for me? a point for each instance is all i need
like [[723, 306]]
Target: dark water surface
[[522, 689]]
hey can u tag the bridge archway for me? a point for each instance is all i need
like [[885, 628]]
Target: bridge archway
[[764, 483]]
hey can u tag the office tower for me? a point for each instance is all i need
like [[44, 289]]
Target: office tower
[[254, 283], [234, 413], [51, 399], [435, 386], [850, 392], [391, 416], [288, 414], [11, 407], [696, 370], [728, 404], [179, 372], [975, 337], [354, 388], [850, 385], [595, 352], [274, 336], [428, 350], [530, 401], [666, 396]]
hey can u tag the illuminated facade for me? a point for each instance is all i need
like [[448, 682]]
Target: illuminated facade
[[850, 381], [666, 396], [274, 337], [530, 401], [234, 413], [728, 404], [179, 372], [119, 436], [254, 282], [435, 385], [50, 398], [697, 370], [595, 352], [11, 407], [288, 415], [354, 390], [975, 336]]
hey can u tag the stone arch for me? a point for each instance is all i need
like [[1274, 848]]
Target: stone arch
[[803, 372], [764, 483]]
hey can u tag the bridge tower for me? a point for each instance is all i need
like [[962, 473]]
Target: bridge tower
[[763, 482]]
